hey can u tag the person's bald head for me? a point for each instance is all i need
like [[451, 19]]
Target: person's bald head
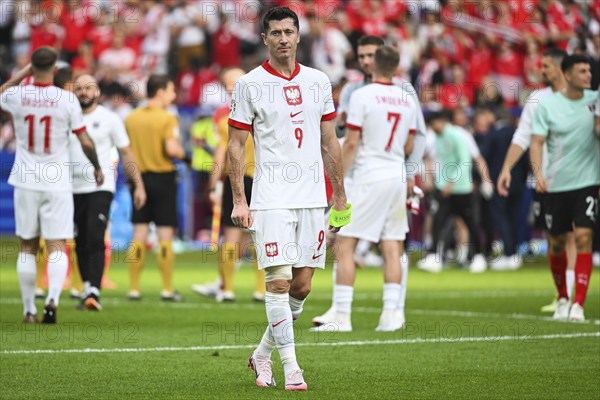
[[87, 91], [230, 76]]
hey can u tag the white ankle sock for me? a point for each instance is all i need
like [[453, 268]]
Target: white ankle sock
[[280, 320], [404, 264], [570, 282], [26, 271], [391, 295], [58, 264], [296, 306], [342, 298]]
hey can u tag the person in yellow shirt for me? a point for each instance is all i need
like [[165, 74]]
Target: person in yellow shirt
[[235, 239], [154, 136]]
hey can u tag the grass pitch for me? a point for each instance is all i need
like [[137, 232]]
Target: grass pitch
[[467, 336]]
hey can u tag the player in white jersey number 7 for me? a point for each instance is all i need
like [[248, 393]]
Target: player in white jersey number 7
[[44, 116], [289, 110]]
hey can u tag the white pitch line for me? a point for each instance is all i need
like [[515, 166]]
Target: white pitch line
[[491, 339], [367, 310]]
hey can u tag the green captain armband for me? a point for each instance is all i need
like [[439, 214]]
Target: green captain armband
[[337, 219]]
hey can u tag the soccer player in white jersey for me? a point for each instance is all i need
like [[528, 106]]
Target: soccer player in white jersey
[[382, 119], [565, 120], [289, 110], [44, 116], [554, 78], [367, 45], [92, 202]]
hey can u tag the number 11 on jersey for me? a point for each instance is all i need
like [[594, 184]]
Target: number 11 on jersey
[[47, 122]]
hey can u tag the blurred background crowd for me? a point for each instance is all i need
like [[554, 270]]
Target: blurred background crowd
[[478, 59]]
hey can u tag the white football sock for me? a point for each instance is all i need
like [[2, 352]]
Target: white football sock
[[267, 344], [296, 307], [404, 264], [570, 282], [391, 295], [342, 298], [26, 271], [58, 264], [279, 316]]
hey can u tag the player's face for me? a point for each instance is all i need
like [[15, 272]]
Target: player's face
[[549, 70], [580, 76], [282, 39], [366, 56], [87, 92], [169, 95]]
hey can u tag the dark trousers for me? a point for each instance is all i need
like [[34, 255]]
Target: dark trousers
[[460, 205], [91, 220], [506, 215]]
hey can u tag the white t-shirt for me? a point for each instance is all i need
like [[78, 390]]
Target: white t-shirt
[[43, 116], [284, 115], [522, 136], [107, 131], [386, 115]]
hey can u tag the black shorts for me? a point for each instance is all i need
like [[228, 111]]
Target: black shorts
[[576, 207], [537, 206], [227, 203], [161, 203]]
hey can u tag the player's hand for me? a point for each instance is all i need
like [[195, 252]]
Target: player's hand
[[99, 177], [241, 216], [541, 186], [487, 190], [139, 197], [214, 197], [504, 183], [447, 190], [339, 216]]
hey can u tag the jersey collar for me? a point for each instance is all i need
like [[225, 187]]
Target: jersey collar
[[384, 83], [272, 71], [42, 84]]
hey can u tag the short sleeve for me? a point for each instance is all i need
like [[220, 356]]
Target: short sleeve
[[241, 113], [597, 110], [76, 118], [172, 131], [522, 136], [328, 106], [344, 101], [540, 121], [414, 120], [471, 144], [356, 112], [118, 133], [10, 99]]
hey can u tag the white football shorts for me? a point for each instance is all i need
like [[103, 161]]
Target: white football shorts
[[289, 237], [378, 211], [49, 214]]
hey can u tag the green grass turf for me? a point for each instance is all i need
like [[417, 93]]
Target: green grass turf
[[422, 362]]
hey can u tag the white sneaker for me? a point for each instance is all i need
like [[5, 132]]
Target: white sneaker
[[373, 260], [328, 316], [478, 265], [295, 381], [561, 313], [258, 297], [576, 314], [431, 263], [209, 289], [399, 318], [387, 321], [263, 367], [340, 322], [513, 262], [499, 264], [224, 296]]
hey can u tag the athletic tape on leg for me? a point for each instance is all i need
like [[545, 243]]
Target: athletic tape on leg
[[338, 219]]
